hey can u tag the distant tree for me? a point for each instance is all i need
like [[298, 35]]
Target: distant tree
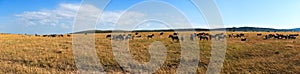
[[234, 29]]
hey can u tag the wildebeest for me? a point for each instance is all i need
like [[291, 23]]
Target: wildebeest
[[175, 33], [118, 37], [192, 36], [230, 35], [181, 37], [129, 36], [150, 36], [220, 36], [203, 37], [293, 36], [136, 33], [259, 34], [36, 35], [281, 36], [61, 35], [174, 37], [242, 35], [53, 35], [108, 36], [237, 36], [212, 37], [243, 39], [202, 34], [161, 33], [68, 35], [138, 36], [45, 35], [269, 36]]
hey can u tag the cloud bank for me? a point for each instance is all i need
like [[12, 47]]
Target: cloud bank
[[61, 18]]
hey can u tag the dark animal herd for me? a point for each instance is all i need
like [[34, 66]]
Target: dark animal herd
[[52, 35], [175, 36], [281, 36], [202, 36]]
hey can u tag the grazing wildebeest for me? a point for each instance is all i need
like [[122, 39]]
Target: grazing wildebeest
[[206, 34], [237, 36], [203, 37], [161, 33], [175, 33], [108, 36], [212, 37], [292, 36], [36, 35], [269, 36], [118, 37], [243, 39], [174, 37], [242, 35], [220, 36], [192, 36], [201, 34], [51, 35], [138, 36], [181, 38], [136, 33], [259, 34], [45, 35], [60, 35], [230, 35], [216, 36], [129, 36], [281, 36], [150, 36], [68, 35]]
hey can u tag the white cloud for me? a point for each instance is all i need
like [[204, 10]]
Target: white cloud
[[61, 15], [109, 19]]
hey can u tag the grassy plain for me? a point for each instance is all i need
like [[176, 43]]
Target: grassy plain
[[30, 54]]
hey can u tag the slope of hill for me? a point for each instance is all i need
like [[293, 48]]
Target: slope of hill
[[296, 29], [233, 29]]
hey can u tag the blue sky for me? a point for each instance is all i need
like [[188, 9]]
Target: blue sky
[[56, 16]]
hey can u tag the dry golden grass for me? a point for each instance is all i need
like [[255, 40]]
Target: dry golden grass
[[29, 54]]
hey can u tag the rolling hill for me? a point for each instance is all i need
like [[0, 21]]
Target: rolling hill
[[233, 29]]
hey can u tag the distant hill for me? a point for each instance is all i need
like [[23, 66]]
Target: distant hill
[[257, 29], [296, 29], [233, 29]]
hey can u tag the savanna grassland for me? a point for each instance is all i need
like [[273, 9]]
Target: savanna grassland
[[31, 54]]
